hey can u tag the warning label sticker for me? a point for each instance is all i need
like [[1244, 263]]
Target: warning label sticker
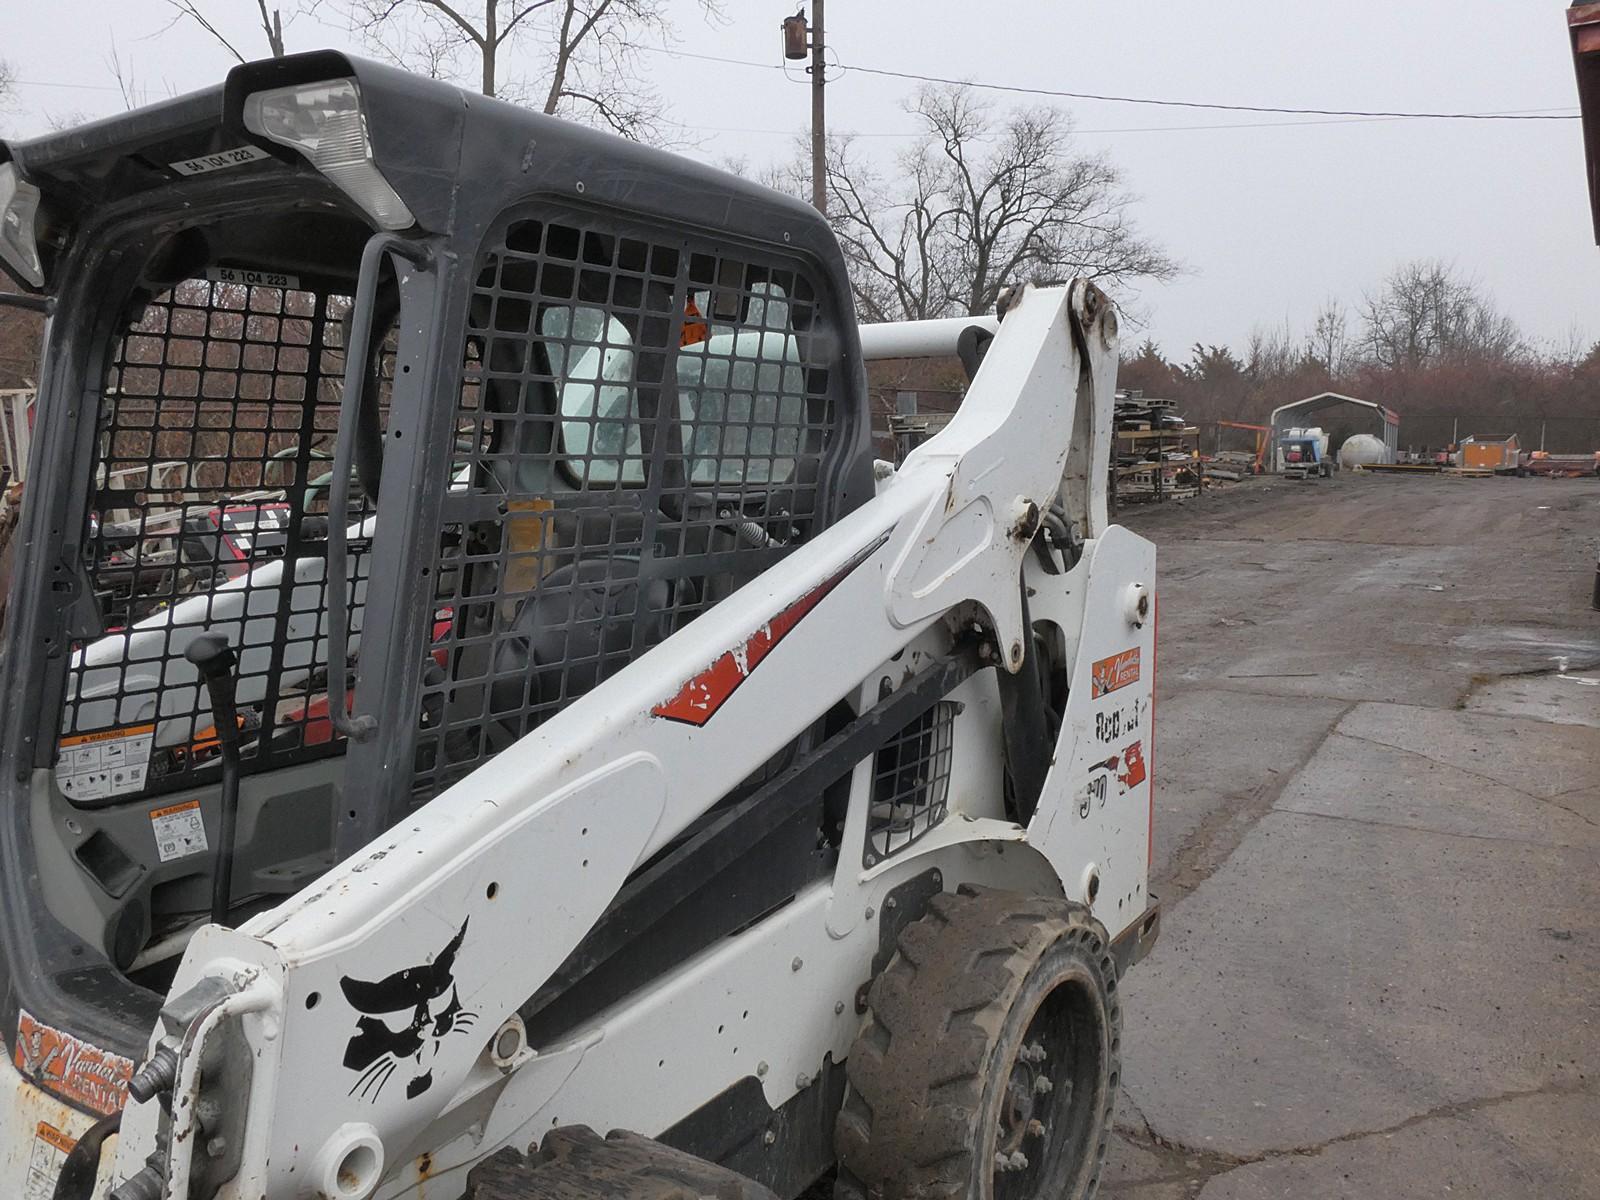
[[179, 830], [45, 1158], [69, 1066], [107, 762]]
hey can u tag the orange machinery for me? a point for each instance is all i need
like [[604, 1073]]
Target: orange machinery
[[1262, 433]]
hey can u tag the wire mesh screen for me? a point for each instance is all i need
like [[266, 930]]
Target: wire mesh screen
[[641, 432], [209, 512], [911, 783]]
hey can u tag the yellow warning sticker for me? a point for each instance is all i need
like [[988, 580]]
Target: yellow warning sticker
[[105, 762], [180, 831], [45, 1158]]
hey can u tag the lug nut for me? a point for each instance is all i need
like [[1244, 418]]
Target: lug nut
[[1043, 1086], [1035, 1128]]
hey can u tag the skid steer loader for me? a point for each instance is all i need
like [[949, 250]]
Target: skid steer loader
[[602, 740]]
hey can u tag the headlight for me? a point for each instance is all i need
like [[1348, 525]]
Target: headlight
[[324, 122], [19, 246]]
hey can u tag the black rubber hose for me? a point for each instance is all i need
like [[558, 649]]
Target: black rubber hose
[[971, 345], [1024, 724], [82, 1166]]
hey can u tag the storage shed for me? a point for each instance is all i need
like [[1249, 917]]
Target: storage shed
[[1385, 421]]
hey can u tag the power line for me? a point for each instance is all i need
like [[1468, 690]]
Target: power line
[[81, 87], [1333, 116], [1522, 115], [911, 133], [1385, 114]]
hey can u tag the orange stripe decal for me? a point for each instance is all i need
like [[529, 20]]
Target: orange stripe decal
[[698, 700]]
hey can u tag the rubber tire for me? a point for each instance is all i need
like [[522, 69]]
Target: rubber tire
[[929, 1069]]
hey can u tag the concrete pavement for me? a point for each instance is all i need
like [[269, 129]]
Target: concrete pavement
[[1378, 738]]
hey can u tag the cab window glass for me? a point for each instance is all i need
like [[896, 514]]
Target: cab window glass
[[592, 354], [742, 392]]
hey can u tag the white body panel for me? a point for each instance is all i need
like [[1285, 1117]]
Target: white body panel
[[35, 1134], [517, 862]]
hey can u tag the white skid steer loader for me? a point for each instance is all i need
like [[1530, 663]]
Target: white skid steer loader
[[533, 711]]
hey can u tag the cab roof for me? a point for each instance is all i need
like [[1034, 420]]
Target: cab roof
[[449, 154]]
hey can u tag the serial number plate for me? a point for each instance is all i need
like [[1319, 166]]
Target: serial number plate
[[248, 278], [219, 161]]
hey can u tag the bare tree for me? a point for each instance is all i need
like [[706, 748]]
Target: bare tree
[[587, 50], [133, 96], [1271, 353], [271, 25], [1426, 312], [1328, 342], [981, 202]]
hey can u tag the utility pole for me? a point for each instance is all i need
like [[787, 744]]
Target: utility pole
[[798, 38], [819, 121]]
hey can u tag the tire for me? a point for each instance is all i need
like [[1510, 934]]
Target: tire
[[989, 994]]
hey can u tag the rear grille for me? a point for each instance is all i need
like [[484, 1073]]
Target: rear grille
[[208, 512], [911, 783], [641, 431]]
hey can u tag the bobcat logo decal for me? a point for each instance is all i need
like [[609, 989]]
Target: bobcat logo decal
[[405, 1017]]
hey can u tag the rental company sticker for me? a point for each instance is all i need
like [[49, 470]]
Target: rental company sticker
[[1118, 671], [70, 1067], [179, 830], [45, 1159], [105, 763]]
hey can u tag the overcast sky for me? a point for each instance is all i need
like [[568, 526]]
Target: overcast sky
[[1271, 221]]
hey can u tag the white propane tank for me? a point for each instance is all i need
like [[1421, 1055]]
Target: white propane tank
[[1360, 450]]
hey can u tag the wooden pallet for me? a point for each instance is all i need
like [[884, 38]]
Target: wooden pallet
[[1143, 495]]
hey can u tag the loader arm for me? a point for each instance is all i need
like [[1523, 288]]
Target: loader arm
[[472, 902]]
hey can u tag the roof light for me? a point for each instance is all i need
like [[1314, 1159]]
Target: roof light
[[324, 122], [19, 246]]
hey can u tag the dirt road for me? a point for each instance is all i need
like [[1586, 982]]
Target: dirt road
[[1378, 840]]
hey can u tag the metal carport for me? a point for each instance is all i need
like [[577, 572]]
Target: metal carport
[[1388, 421]]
